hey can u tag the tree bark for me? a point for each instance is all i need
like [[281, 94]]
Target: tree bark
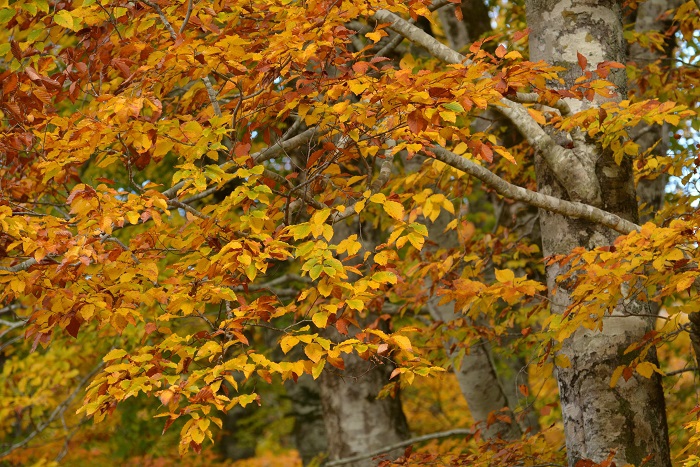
[[629, 419], [357, 421]]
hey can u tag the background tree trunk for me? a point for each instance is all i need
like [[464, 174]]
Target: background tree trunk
[[357, 421]]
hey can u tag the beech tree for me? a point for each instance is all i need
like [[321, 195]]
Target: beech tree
[[219, 210]]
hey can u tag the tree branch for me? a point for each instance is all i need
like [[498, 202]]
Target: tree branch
[[165, 21], [408, 442], [19, 267], [578, 178], [268, 153], [546, 202]]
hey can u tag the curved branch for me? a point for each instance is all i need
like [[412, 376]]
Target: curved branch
[[578, 178], [546, 202], [408, 442]]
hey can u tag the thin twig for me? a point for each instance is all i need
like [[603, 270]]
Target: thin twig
[[165, 21], [408, 442], [190, 4], [682, 370]]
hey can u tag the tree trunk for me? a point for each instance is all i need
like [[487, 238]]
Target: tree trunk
[[628, 420], [356, 421], [476, 376]]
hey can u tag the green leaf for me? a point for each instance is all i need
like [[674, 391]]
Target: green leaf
[[6, 14], [454, 106]]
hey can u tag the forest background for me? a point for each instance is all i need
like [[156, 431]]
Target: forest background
[[349, 232]]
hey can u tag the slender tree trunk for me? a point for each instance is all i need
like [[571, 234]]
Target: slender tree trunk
[[629, 419], [650, 17], [476, 375]]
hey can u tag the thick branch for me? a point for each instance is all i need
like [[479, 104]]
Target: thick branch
[[578, 178], [19, 267], [548, 203], [408, 442]]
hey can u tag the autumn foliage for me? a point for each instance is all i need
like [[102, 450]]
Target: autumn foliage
[[193, 195]]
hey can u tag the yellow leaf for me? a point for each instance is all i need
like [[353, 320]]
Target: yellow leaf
[[64, 19], [394, 209], [356, 87], [504, 275], [320, 217], [562, 361], [376, 35], [288, 342], [113, 355], [448, 116], [402, 341], [350, 244], [384, 276], [355, 304], [382, 257], [314, 352], [646, 369], [378, 198], [133, 217], [320, 319], [537, 115], [684, 283], [316, 370]]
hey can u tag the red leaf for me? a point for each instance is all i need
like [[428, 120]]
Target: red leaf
[[241, 149], [582, 62], [500, 51], [520, 34], [360, 67], [342, 326], [395, 373], [486, 153], [416, 122], [73, 327], [314, 157]]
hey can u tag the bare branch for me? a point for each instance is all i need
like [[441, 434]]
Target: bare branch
[[19, 267], [534, 98], [165, 21], [546, 202], [190, 4], [402, 444], [212, 96], [187, 208]]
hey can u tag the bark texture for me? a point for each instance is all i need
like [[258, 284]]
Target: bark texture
[[628, 419], [357, 421], [476, 376], [309, 429], [649, 16]]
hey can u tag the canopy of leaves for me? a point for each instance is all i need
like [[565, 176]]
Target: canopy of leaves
[[191, 193]]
